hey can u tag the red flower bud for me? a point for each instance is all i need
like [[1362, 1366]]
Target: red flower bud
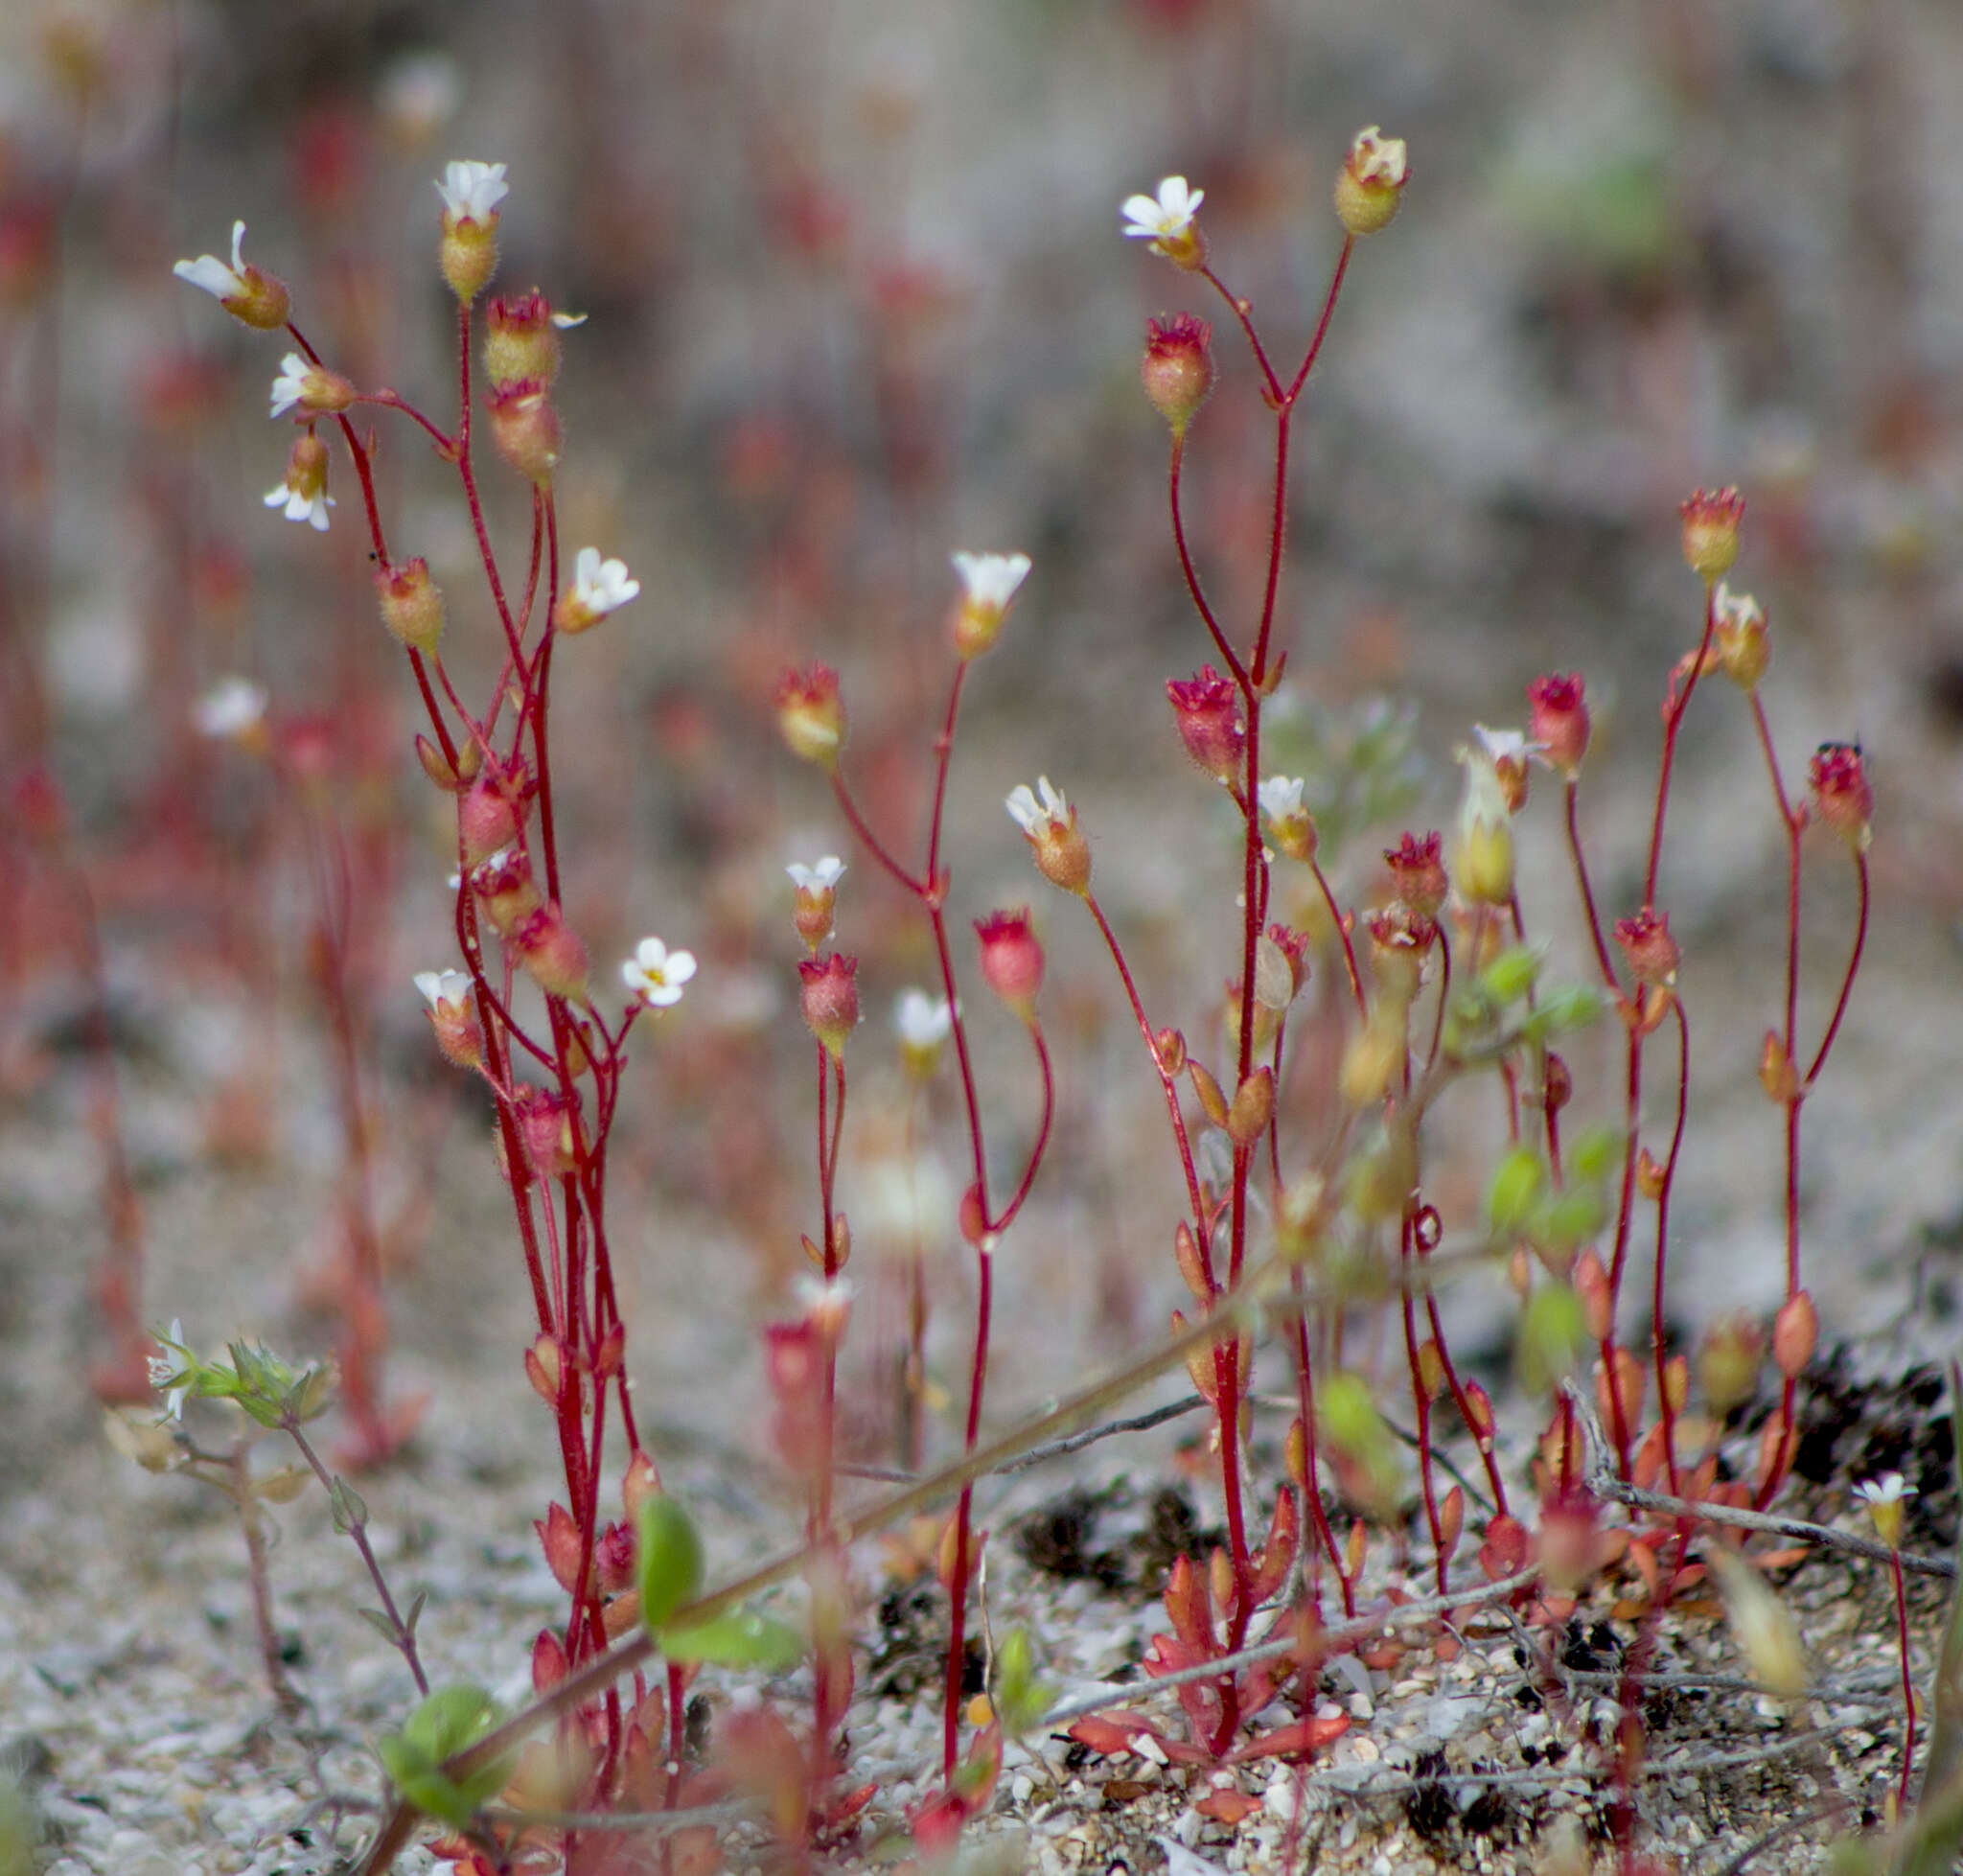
[[1419, 872], [1560, 722], [1842, 796], [828, 994], [1011, 960], [1710, 531], [1177, 369], [1652, 954], [525, 428], [1207, 709]]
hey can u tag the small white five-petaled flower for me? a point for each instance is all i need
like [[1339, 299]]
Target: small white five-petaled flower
[[290, 388], [213, 275], [231, 707], [168, 1373], [599, 587], [1883, 1498], [820, 878], [1280, 797], [302, 505], [444, 991], [470, 192], [923, 1022], [989, 581], [1167, 219], [1033, 814], [656, 975]]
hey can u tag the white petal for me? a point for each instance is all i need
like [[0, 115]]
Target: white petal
[[211, 274]]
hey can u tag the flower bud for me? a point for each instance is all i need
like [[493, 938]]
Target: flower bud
[[811, 715], [1290, 826], [828, 996], [1370, 185], [1728, 1361], [1254, 1107], [486, 820], [544, 1365], [1011, 960], [1768, 1635], [1398, 940], [1710, 531], [551, 952], [544, 1125], [1483, 862], [1177, 369], [1652, 953], [412, 604], [1842, 796], [1207, 709], [1560, 722], [525, 428], [1420, 874], [1740, 641], [503, 885], [521, 341], [639, 1483], [1795, 1335], [309, 387], [452, 779], [924, 1024]]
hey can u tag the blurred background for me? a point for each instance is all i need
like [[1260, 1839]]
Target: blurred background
[[855, 296]]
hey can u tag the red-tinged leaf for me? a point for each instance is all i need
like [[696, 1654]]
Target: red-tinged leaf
[[548, 1661], [1108, 1736], [1229, 1808], [1284, 1533], [1189, 1607], [559, 1539], [1167, 1655], [1295, 1740], [937, 1824], [1504, 1549]]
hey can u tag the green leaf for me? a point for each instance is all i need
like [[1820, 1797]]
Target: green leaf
[[381, 1624], [1568, 1007], [740, 1639], [1595, 1152], [1553, 1332], [668, 1558], [1516, 1187], [1511, 974], [1020, 1697], [450, 1722], [1572, 1219], [345, 1503]]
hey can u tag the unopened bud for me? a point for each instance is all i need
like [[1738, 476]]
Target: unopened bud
[[521, 341], [486, 820], [1254, 1107], [1739, 639], [1011, 960], [1729, 1363], [811, 715], [1842, 797], [1177, 369], [525, 428], [552, 954], [1777, 1075], [828, 997], [1711, 521], [1560, 720], [1652, 953], [412, 604], [1795, 1335], [544, 1364], [1207, 709], [504, 888]]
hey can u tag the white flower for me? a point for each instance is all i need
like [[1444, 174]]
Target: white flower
[[924, 1022], [290, 388], [1033, 815], [444, 991], [990, 580], [231, 707], [1502, 746], [1737, 611], [1165, 218], [168, 1373], [826, 1306], [656, 975], [1890, 1488], [213, 275], [470, 192], [601, 586], [1280, 797], [302, 505], [820, 878], [1374, 157]]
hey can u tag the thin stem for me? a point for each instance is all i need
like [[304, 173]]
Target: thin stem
[[870, 841], [1342, 931], [1192, 573], [1907, 1680], [1573, 796], [957, 1613], [1819, 1060], [1683, 1103], [1673, 719]]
